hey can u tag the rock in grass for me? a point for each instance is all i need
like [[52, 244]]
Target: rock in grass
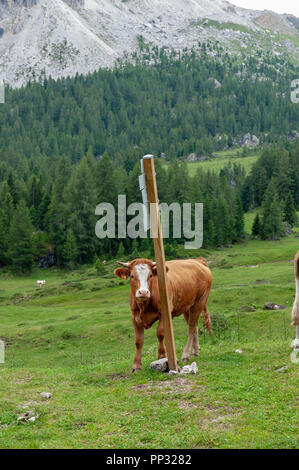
[[247, 308], [160, 365], [46, 395], [273, 306], [281, 369], [189, 369], [27, 416]]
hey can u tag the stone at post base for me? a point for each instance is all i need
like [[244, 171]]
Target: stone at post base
[[161, 365]]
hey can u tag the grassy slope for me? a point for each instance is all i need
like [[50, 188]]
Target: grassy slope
[[224, 158], [77, 342]]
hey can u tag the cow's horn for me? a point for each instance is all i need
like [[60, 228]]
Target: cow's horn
[[123, 264]]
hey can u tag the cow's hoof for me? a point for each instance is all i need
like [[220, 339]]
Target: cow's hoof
[[185, 358], [195, 354], [135, 369]]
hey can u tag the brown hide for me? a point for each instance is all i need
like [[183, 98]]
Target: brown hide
[[188, 281], [189, 284]]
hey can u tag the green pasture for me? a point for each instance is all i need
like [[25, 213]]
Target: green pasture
[[223, 158], [74, 339]]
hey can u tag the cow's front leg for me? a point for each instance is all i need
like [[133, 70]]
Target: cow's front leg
[[160, 336], [139, 332]]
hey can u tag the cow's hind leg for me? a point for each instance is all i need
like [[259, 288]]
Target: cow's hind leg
[[160, 336], [195, 342], [192, 321]]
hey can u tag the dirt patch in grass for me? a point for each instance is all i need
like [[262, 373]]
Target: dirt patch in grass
[[26, 378], [176, 385], [186, 393], [220, 417], [118, 376]]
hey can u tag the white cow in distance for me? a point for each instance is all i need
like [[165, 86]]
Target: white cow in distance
[[40, 283]]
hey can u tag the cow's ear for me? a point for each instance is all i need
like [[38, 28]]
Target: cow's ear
[[123, 273], [154, 270]]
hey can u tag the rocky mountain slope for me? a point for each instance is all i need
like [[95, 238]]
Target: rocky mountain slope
[[62, 37]]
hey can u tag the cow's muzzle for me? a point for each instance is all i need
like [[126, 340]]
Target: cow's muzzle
[[143, 294]]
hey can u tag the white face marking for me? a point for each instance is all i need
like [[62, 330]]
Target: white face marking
[[142, 271]]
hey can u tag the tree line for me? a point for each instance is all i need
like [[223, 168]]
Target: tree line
[[171, 103], [67, 145], [36, 220]]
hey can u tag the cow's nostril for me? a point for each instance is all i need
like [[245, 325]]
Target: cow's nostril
[[142, 293]]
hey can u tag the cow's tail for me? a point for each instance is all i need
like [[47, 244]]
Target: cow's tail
[[207, 319], [295, 311]]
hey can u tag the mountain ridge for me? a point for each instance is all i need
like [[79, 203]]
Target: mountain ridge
[[63, 37]]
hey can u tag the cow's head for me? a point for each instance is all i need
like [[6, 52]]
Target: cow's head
[[141, 273]]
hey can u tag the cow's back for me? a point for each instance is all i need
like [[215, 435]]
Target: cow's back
[[188, 281]]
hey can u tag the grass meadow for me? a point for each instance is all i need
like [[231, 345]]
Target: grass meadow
[[223, 158], [74, 339]]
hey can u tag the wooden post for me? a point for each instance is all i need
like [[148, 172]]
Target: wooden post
[[152, 193]]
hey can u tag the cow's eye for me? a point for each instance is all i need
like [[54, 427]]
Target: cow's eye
[[151, 275]]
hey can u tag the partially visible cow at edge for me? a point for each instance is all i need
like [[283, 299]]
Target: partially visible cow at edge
[[295, 311], [189, 284]]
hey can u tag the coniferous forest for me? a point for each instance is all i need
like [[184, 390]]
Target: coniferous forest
[[67, 145]]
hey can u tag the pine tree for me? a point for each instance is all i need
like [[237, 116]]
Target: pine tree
[[3, 239], [134, 249], [40, 244], [290, 214], [105, 181], [238, 219], [256, 225], [70, 249], [80, 210], [272, 220], [20, 239], [120, 251], [57, 213]]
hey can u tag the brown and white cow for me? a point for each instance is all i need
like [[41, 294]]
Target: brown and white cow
[[295, 311], [189, 284]]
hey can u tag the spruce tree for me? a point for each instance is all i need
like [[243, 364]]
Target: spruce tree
[[80, 209], [3, 239], [120, 251], [290, 214], [70, 249], [238, 219], [272, 221], [256, 225], [20, 250]]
